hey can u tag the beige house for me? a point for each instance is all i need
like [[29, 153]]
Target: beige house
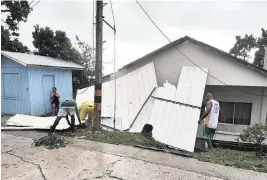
[[239, 86]]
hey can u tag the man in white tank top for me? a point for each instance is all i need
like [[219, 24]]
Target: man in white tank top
[[210, 117]]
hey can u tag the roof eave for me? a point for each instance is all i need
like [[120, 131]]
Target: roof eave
[[233, 58], [211, 48], [43, 66], [170, 45], [14, 59], [56, 67]]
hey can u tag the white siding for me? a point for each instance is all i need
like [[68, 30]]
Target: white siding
[[175, 124], [131, 92], [169, 62]]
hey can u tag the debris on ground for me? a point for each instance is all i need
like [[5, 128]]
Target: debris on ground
[[51, 141], [117, 137], [4, 119], [234, 158]]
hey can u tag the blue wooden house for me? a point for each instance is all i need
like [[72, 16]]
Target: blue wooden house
[[27, 82]]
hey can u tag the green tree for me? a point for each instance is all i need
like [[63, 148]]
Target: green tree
[[13, 45], [13, 12], [261, 43], [57, 44], [244, 46]]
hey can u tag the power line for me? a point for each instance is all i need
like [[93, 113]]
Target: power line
[[114, 63], [93, 46], [35, 4], [93, 27], [113, 16], [189, 58], [31, 2]]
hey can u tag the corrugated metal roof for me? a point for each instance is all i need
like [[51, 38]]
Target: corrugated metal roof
[[40, 61]]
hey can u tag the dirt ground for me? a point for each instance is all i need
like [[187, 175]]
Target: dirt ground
[[83, 159]]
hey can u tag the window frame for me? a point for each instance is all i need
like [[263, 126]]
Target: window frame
[[234, 112]]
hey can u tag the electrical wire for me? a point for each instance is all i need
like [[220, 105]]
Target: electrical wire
[[114, 63], [35, 4], [113, 16], [31, 3], [93, 28], [93, 44], [190, 59]]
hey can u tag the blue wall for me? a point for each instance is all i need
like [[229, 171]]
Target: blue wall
[[62, 80], [28, 88], [15, 95]]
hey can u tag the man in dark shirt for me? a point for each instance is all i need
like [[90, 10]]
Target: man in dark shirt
[[68, 107]]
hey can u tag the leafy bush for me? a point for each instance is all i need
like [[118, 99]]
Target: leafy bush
[[255, 134]]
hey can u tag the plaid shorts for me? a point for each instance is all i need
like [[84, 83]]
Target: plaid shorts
[[66, 110]]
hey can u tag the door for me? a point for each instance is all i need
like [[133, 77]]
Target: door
[[12, 102], [48, 83]]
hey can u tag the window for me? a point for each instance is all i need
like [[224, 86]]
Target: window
[[235, 113], [11, 84]]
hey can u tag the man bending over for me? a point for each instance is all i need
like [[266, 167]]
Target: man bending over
[[68, 107]]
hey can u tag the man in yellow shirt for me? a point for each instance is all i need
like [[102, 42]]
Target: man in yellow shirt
[[86, 109]]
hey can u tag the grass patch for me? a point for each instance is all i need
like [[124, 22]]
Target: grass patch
[[117, 137], [234, 158], [51, 142]]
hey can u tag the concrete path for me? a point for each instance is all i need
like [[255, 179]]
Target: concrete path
[[83, 160]]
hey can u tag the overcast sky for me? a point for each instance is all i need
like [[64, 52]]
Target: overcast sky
[[213, 22]]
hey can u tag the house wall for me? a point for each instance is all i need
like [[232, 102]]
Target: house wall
[[20, 86], [228, 94], [229, 132], [264, 106], [63, 82], [168, 65]]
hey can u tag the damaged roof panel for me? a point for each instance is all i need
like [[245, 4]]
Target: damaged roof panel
[[176, 124], [132, 91]]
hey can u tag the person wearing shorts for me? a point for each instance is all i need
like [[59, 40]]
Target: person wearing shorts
[[68, 108], [208, 133], [210, 117]]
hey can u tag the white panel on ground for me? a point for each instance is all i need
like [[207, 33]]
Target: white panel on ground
[[132, 90], [38, 122], [176, 124]]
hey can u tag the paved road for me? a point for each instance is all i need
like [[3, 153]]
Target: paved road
[[83, 160]]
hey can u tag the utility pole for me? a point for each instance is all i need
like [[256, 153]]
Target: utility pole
[[98, 65]]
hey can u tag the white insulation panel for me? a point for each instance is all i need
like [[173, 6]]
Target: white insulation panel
[[132, 90], [174, 124], [38, 122]]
